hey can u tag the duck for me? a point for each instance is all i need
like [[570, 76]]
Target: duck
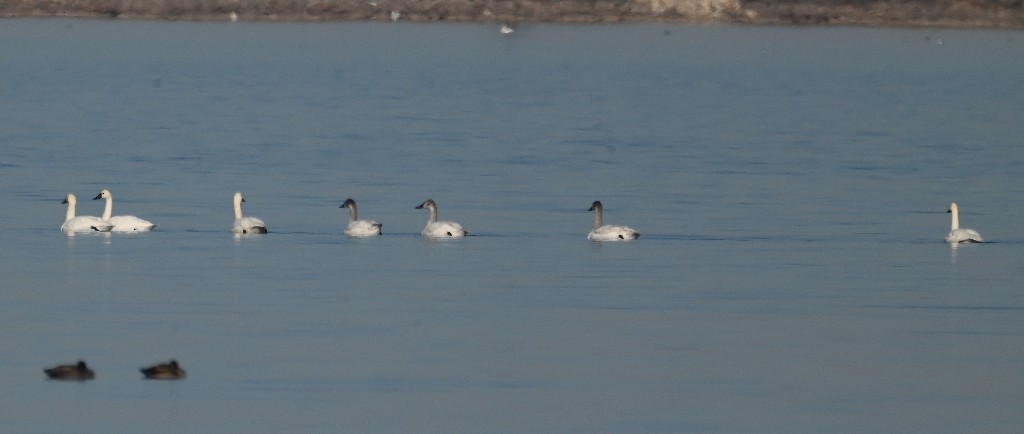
[[81, 223], [957, 235], [356, 227], [77, 372], [164, 371], [122, 223], [246, 225], [442, 229], [603, 232]]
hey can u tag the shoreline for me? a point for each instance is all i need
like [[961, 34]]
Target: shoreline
[[991, 14]]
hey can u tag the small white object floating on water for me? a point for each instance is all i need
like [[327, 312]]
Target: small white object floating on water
[[507, 29], [603, 232], [957, 235], [246, 225]]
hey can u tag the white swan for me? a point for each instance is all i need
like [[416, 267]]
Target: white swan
[[436, 229], [356, 227], [81, 223], [246, 225], [604, 232], [122, 223], [957, 235]]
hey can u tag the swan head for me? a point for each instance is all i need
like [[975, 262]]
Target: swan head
[[596, 206], [952, 208], [428, 204], [70, 199], [349, 203], [104, 194], [239, 198]]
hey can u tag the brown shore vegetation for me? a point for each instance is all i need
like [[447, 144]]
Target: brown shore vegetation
[[945, 13]]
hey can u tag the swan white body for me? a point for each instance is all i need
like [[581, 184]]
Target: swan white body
[[246, 225], [603, 232], [81, 223], [356, 227], [122, 223], [442, 229], [957, 235]]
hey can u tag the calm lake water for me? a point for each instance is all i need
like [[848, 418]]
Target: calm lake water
[[790, 185]]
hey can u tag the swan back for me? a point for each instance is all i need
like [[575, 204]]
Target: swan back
[[444, 229], [603, 232]]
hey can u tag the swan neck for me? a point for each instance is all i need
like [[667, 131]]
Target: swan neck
[[956, 219], [238, 209], [597, 218], [353, 213], [71, 211], [433, 214], [108, 209]]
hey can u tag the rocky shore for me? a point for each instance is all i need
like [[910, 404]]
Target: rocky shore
[[944, 13]]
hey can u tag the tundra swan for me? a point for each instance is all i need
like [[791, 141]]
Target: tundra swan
[[81, 223], [436, 229], [246, 225], [356, 227], [122, 223], [604, 232], [957, 235]]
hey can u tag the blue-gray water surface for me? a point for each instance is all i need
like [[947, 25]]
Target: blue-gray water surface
[[791, 186]]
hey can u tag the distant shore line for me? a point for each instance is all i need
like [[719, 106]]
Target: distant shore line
[[893, 13]]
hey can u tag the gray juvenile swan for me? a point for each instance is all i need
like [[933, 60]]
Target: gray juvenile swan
[[83, 223], [603, 232], [957, 235], [122, 223], [442, 229], [246, 225], [356, 227]]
